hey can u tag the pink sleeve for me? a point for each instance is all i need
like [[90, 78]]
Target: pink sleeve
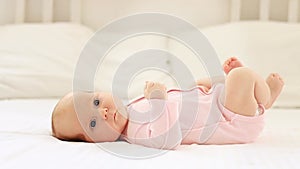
[[163, 129]]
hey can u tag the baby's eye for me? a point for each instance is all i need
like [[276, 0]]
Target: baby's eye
[[96, 102], [93, 123]]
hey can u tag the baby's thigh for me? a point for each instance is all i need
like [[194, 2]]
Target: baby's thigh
[[239, 92]]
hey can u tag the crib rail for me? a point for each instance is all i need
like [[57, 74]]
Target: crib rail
[[20, 11], [75, 12], [264, 10], [47, 7], [293, 11], [47, 11]]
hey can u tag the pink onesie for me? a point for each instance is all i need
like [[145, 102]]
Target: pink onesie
[[187, 117]]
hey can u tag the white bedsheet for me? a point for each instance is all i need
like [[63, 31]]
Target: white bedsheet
[[25, 142]]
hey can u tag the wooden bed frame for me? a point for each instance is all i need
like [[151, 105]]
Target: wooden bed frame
[[75, 10], [47, 11], [264, 10]]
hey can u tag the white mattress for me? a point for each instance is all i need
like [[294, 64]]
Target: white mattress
[[25, 142]]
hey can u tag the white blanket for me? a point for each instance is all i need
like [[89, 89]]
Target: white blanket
[[26, 142]]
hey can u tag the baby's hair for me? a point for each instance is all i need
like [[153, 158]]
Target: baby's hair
[[52, 119], [58, 108]]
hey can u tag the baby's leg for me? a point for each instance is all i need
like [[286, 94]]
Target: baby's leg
[[244, 90]]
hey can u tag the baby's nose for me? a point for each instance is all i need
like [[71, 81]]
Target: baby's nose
[[104, 112]]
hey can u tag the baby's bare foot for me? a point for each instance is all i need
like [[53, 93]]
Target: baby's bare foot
[[275, 83], [230, 64]]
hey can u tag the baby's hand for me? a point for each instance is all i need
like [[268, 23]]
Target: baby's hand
[[154, 90]]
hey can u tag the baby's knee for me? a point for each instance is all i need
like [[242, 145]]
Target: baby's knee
[[241, 74]]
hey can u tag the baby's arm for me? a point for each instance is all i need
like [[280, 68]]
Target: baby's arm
[[154, 90], [159, 128]]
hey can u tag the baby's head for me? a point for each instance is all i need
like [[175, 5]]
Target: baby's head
[[91, 117]]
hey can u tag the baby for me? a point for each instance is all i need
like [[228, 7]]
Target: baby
[[227, 113]]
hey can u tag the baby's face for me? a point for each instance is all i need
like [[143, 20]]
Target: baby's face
[[92, 117]]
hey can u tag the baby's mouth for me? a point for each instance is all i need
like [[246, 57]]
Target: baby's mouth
[[115, 114]]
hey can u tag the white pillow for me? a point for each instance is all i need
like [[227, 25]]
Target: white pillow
[[38, 60], [265, 47], [122, 53]]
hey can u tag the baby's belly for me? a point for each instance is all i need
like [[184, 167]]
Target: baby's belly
[[194, 110]]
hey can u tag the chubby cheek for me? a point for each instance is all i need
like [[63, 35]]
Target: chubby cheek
[[121, 122], [112, 128]]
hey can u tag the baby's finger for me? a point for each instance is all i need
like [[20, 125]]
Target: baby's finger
[[148, 85]]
